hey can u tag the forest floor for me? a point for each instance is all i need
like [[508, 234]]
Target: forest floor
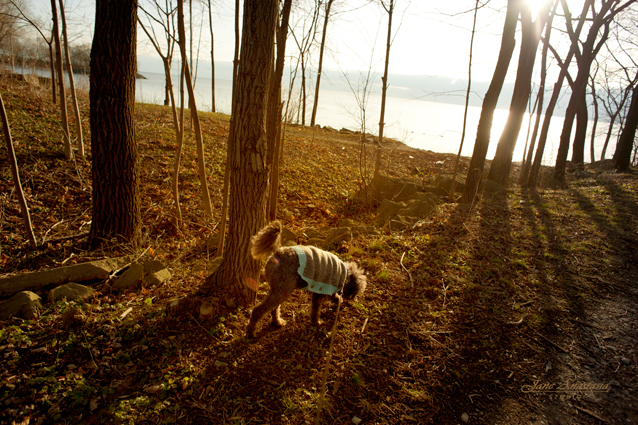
[[519, 310]]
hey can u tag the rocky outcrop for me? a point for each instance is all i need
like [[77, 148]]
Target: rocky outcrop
[[24, 305]]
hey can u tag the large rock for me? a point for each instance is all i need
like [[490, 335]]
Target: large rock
[[71, 291], [338, 235], [396, 189], [158, 278], [386, 211], [24, 304], [130, 277], [95, 270]]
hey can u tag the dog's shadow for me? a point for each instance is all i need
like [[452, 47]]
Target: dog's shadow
[[281, 367]]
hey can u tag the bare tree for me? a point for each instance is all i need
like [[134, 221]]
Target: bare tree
[[68, 151], [622, 156], [326, 18], [586, 51], [201, 162], [212, 54], [273, 115], [69, 67], [531, 33], [477, 163], [249, 169], [167, 22]]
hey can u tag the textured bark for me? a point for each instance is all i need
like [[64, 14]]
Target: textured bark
[[500, 169], [114, 151], [248, 166], [477, 163], [622, 157]]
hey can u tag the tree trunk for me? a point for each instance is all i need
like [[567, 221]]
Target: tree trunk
[[76, 108], [384, 90], [212, 55], [68, 150], [114, 150], [542, 140], [22, 200], [273, 114], [467, 102], [622, 157], [320, 67], [592, 153], [201, 162], [531, 31], [249, 170], [477, 163], [578, 151], [54, 97], [541, 97], [226, 188]]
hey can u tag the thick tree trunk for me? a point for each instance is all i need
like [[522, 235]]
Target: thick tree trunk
[[249, 169], [592, 153], [500, 169], [477, 163], [114, 150], [622, 157], [578, 148]]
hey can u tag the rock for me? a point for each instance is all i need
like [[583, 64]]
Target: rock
[[444, 181], [490, 187], [219, 363], [288, 235], [396, 189], [314, 234], [315, 241], [158, 278], [400, 222], [465, 417], [364, 230], [346, 222], [386, 211], [153, 266], [338, 235], [329, 128], [71, 291], [346, 131], [441, 193], [24, 304], [130, 277], [206, 311], [356, 420], [94, 270]]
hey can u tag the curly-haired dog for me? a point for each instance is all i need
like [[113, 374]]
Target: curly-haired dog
[[298, 267]]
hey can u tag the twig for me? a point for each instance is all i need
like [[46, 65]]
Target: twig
[[363, 328], [122, 268], [407, 271], [324, 381], [444, 294], [589, 412], [64, 238], [558, 347], [203, 328], [126, 312], [518, 322]]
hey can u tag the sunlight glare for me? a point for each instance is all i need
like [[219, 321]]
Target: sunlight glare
[[536, 5]]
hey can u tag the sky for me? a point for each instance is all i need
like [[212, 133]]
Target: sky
[[430, 37]]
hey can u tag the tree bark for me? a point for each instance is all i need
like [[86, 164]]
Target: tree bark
[[212, 55], [622, 157], [114, 150], [531, 31], [477, 163], [249, 168]]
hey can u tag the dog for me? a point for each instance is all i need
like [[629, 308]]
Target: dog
[[300, 267]]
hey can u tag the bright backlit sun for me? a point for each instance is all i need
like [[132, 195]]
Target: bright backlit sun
[[536, 5]]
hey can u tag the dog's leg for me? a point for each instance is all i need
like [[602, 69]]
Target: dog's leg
[[273, 301], [317, 300]]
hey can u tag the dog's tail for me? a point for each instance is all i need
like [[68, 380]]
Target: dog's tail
[[266, 241]]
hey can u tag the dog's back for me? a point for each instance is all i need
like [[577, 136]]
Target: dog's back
[[266, 241]]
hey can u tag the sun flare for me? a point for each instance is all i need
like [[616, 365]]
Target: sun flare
[[536, 5]]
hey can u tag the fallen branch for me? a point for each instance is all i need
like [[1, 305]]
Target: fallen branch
[[406, 270]]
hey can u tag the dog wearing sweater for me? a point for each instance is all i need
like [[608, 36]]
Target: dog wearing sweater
[[300, 267]]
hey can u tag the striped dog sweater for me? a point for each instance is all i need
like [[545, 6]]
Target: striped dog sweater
[[324, 272]]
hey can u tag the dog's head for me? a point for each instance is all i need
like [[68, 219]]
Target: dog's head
[[355, 283]]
